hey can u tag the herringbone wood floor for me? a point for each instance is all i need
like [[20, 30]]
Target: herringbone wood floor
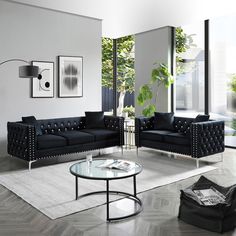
[[159, 217]]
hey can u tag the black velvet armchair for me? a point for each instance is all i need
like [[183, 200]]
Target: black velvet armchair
[[196, 139]]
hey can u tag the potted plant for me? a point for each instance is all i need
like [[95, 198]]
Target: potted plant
[[160, 76], [129, 112]]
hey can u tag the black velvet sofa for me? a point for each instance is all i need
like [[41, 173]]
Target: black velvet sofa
[[62, 136], [195, 139]]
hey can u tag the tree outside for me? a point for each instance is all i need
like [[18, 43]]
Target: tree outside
[[183, 42], [125, 67]]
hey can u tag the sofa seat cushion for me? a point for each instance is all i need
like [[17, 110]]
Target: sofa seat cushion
[[154, 135], [177, 138], [50, 141], [102, 134], [77, 137]]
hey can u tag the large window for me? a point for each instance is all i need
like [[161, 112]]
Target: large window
[[223, 74], [221, 80], [189, 85]]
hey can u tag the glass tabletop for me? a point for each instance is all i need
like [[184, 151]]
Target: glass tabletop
[[96, 169]]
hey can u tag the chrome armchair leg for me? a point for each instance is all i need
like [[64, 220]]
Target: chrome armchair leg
[[122, 150], [30, 164], [137, 151], [197, 162]]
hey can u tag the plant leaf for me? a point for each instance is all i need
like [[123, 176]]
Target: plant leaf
[[149, 110]]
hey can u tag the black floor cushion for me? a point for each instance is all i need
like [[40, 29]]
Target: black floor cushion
[[50, 141], [101, 134], [77, 137], [218, 218]]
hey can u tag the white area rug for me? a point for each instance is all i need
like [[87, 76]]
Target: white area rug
[[51, 189]]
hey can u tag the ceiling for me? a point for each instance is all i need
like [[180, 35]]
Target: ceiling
[[126, 17]]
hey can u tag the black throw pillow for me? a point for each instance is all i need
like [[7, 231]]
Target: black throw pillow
[[94, 119], [201, 118], [164, 121], [32, 121]]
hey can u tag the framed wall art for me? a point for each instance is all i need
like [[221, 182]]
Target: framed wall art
[[43, 86], [70, 76]]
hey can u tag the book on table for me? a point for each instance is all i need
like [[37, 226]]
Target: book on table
[[117, 164]]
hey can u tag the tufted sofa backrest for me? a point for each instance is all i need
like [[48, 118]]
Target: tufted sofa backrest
[[50, 126], [182, 124]]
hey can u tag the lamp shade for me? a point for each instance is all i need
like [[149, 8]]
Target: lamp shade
[[28, 71]]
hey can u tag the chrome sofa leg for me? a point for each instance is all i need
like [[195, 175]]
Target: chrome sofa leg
[[30, 164], [222, 157], [99, 153], [137, 151], [197, 162], [122, 150]]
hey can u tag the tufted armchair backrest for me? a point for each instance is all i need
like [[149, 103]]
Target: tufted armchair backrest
[[50, 126], [182, 124]]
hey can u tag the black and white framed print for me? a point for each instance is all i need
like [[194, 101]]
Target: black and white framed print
[[70, 76], [43, 86]]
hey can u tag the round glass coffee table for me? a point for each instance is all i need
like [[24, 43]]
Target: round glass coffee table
[[94, 171]]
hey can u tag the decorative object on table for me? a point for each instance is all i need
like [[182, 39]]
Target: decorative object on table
[[70, 76], [27, 71], [44, 86], [125, 114], [180, 135], [219, 217], [128, 111], [160, 76], [117, 164]]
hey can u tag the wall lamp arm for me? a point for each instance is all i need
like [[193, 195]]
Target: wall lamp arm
[[28, 71]]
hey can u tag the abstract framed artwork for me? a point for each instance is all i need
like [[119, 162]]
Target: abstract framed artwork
[[70, 76], [43, 86]]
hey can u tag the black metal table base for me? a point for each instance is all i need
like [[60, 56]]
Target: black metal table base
[[129, 196]]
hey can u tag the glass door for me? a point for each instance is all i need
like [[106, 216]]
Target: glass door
[[189, 84], [222, 85]]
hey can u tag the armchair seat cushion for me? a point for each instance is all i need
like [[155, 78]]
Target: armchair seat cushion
[[177, 138], [50, 141], [154, 135], [101, 134], [77, 137]]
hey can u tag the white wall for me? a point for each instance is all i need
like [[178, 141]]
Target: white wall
[[38, 34], [151, 47]]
